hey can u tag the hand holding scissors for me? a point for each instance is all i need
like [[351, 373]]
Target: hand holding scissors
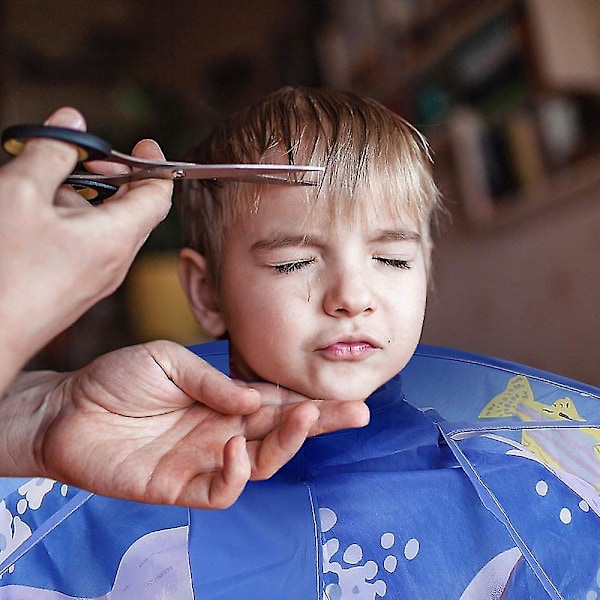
[[96, 187]]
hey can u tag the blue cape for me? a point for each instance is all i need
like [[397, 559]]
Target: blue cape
[[474, 479]]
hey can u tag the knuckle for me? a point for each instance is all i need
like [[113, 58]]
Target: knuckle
[[21, 188]]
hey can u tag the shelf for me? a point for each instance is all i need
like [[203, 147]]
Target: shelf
[[458, 22], [568, 185]]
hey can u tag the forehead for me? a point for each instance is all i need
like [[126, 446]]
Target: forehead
[[301, 208]]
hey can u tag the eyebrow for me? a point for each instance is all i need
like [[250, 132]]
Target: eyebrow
[[282, 241], [285, 241], [400, 235]]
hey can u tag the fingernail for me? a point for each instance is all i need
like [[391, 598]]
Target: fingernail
[[66, 117]]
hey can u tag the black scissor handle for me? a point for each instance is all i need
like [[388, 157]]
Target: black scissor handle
[[89, 146], [95, 192]]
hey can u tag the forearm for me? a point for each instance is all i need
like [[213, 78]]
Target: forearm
[[8, 368], [23, 332], [28, 405], [12, 356]]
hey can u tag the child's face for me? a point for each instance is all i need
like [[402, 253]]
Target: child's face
[[331, 311]]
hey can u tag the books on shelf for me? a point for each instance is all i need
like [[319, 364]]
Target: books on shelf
[[466, 131]]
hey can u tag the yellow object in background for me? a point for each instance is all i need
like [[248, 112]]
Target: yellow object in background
[[156, 303]]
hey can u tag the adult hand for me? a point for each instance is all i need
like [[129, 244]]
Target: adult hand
[[155, 423], [59, 255]]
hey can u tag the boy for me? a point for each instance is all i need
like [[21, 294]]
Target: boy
[[321, 289]]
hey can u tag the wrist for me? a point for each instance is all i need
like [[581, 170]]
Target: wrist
[[27, 409], [10, 365], [15, 347]]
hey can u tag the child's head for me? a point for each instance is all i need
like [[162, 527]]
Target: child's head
[[319, 288]]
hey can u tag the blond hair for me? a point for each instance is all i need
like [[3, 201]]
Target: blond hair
[[370, 154]]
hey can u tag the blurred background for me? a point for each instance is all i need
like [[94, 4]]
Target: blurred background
[[507, 91]]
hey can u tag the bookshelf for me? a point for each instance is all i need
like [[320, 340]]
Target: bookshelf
[[507, 91]]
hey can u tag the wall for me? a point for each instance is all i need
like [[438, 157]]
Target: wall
[[528, 291]]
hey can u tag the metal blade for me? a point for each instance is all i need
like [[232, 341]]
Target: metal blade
[[246, 172]]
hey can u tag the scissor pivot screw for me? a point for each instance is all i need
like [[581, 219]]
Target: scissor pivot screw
[[178, 174]]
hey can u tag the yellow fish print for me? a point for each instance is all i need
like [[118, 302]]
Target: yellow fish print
[[575, 451]]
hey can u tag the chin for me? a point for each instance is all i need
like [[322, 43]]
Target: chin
[[347, 384], [360, 393]]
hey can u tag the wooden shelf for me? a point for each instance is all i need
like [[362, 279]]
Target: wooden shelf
[[567, 185], [502, 142], [449, 30]]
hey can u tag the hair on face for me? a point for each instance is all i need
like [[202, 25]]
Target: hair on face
[[372, 157]]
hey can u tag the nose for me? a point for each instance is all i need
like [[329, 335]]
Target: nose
[[348, 294]]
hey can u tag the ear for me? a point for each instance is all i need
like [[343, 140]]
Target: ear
[[201, 292]]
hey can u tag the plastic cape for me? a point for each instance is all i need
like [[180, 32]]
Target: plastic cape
[[475, 479]]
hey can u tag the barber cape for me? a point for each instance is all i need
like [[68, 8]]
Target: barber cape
[[475, 479]]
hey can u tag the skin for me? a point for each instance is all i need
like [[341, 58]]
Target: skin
[[65, 254], [328, 311], [155, 423], [151, 423]]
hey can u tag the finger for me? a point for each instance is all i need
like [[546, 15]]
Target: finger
[[221, 489], [279, 446], [147, 149], [140, 206], [333, 416], [275, 395], [67, 197], [46, 163], [224, 395], [202, 382], [336, 415], [105, 167]]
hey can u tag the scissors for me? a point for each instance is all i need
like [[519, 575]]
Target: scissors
[[95, 187]]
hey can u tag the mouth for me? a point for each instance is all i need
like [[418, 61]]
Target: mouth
[[349, 349]]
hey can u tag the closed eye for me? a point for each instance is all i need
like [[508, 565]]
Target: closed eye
[[393, 262], [292, 266]]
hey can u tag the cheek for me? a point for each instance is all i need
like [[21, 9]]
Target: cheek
[[419, 311], [409, 309], [266, 343], [253, 316]]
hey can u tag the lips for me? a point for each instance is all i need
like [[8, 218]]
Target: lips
[[350, 349]]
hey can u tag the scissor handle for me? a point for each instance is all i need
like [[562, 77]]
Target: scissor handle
[[95, 192], [89, 146]]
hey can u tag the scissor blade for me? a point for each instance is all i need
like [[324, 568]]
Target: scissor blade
[[245, 172], [233, 171]]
